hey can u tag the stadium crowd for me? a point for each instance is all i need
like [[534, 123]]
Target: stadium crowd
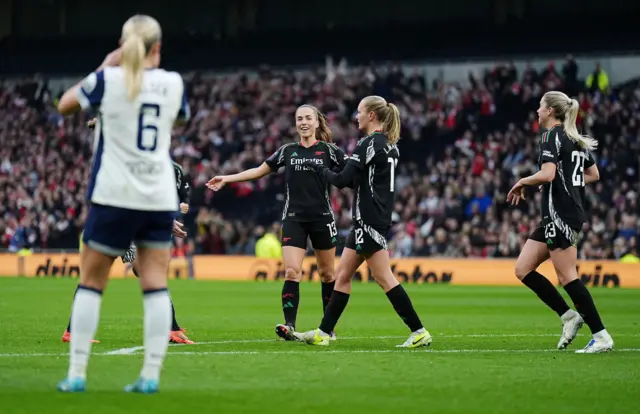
[[463, 147]]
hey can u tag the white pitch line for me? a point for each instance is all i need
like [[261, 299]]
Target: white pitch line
[[385, 351], [134, 349], [342, 351]]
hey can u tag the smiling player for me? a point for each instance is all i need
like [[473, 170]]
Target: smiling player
[[307, 210]]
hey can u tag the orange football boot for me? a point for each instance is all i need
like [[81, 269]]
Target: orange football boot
[[66, 337], [179, 337]]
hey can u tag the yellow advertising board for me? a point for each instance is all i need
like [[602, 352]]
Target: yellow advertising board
[[498, 272]]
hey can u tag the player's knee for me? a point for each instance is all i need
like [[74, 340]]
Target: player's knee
[[522, 270], [343, 280], [566, 274], [388, 283], [293, 273], [327, 274]]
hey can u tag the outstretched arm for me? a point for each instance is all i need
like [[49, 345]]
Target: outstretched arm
[[219, 181]]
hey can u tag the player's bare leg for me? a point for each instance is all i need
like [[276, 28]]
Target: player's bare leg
[[177, 334], [381, 269], [85, 315], [349, 263], [533, 254], [564, 261], [66, 336], [153, 265]]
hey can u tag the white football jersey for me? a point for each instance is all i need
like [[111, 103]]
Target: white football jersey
[[132, 165]]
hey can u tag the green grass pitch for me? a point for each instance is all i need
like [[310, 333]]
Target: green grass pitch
[[493, 352]]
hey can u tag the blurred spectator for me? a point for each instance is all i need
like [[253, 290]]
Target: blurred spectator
[[268, 246], [462, 149], [598, 80]]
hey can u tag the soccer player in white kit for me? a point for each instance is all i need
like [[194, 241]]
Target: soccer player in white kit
[[129, 192]]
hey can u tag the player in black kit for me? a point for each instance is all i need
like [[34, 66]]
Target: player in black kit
[[566, 166], [177, 335], [307, 211], [371, 172]]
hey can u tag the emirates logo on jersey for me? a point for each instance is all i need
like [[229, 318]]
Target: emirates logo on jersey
[[298, 163]]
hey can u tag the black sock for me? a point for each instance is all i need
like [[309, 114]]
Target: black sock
[[174, 323], [545, 290], [327, 290], [583, 301], [404, 308], [74, 297], [135, 272], [335, 307], [290, 301]]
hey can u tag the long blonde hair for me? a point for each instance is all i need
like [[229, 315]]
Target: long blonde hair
[[139, 34], [387, 113], [566, 111]]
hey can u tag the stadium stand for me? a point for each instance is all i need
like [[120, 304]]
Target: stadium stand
[[462, 149]]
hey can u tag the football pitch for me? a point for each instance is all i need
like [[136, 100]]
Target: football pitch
[[493, 352]]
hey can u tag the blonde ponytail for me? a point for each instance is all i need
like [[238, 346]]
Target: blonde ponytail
[[566, 110], [132, 63], [139, 35], [388, 115], [570, 118], [391, 124]]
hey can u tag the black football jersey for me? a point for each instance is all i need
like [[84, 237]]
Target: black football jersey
[[306, 193], [376, 160], [563, 199], [182, 182]]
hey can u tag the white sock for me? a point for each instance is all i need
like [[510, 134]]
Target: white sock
[[157, 325], [419, 331], [85, 315], [568, 315], [603, 334]]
